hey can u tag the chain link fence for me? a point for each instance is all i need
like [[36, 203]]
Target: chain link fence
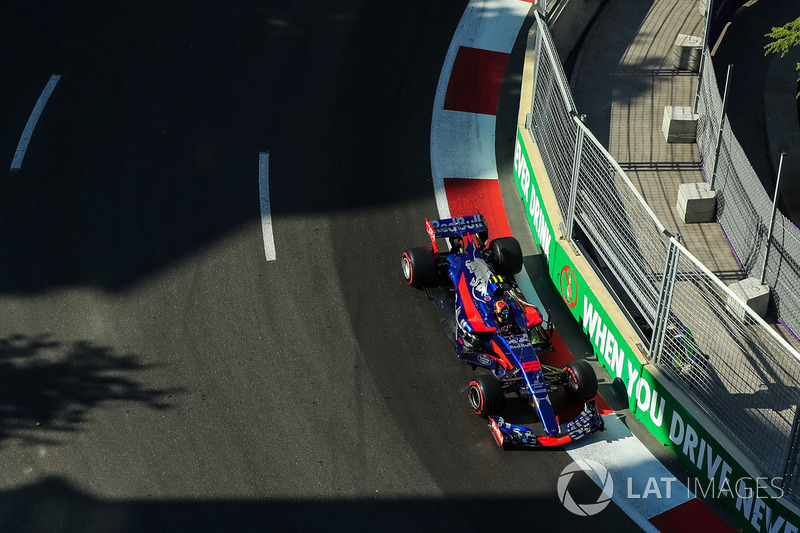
[[737, 368], [744, 208], [729, 359], [608, 208]]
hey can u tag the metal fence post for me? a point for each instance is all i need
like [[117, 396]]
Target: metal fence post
[[537, 59], [721, 127], [709, 7], [542, 7], [794, 446], [665, 300], [772, 219], [576, 171]]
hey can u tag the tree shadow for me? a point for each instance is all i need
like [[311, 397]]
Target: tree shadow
[[48, 386]]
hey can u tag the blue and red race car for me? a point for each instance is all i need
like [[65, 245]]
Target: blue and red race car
[[470, 281]]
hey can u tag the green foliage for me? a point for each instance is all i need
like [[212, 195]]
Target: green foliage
[[784, 37]]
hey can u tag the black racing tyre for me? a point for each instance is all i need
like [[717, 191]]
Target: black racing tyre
[[507, 255], [581, 381], [486, 395], [419, 267]]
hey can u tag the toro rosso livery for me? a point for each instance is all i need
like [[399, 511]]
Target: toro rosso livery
[[492, 326]]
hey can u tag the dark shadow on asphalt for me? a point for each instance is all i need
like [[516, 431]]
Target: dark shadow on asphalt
[[147, 152], [53, 505], [599, 68], [48, 387]]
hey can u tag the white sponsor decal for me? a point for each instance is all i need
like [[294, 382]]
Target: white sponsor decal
[[468, 223], [532, 203], [610, 349], [751, 503], [518, 343]]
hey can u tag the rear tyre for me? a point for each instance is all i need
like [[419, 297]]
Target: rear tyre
[[419, 267], [486, 395], [581, 381], [507, 255]]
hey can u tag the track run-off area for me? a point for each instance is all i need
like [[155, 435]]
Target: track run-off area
[[204, 326], [466, 181]]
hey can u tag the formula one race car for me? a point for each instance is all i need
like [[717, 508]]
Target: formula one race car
[[469, 280]]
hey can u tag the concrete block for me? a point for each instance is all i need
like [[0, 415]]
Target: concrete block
[[686, 52], [752, 293], [679, 124], [696, 202]]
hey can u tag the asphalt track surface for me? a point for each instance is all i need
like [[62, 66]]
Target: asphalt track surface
[[156, 372]]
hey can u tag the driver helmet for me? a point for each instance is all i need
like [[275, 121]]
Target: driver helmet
[[503, 312]]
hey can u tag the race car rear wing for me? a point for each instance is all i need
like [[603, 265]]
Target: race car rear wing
[[455, 227]]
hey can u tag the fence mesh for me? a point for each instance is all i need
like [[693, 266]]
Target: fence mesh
[[625, 233], [744, 207], [608, 208], [732, 363], [551, 114]]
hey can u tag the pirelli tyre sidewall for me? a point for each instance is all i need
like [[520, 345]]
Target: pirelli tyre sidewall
[[485, 395], [581, 381], [419, 267]]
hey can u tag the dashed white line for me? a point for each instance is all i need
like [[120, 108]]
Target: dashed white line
[[22, 146], [266, 212]]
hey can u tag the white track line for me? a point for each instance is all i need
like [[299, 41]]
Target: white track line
[[462, 146], [632, 467], [489, 25], [492, 24], [266, 212], [22, 146], [452, 131]]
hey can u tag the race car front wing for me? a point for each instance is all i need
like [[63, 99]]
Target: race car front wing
[[509, 435]]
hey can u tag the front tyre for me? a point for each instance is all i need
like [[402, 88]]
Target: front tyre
[[581, 381], [507, 255], [419, 267], [485, 396]]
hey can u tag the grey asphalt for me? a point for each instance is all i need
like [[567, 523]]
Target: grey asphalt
[[157, 373]]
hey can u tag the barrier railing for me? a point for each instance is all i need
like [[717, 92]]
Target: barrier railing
[[726, 358]]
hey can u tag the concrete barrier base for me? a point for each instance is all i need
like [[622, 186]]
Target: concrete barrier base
[[686, 52], [753, 293], [679, 124], [696, 202]]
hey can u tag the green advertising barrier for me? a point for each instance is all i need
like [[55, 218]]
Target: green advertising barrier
[[751, 500]]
